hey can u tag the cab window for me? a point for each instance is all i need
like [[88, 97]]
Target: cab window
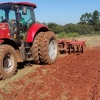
[[26, 18], [12, 15], [3, 15]]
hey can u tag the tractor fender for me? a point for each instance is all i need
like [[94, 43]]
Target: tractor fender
[[9, 42], [33, 30]]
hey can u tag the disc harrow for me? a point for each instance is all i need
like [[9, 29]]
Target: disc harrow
[[71, 46]]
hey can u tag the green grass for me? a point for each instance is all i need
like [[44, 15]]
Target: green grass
[[67, 35]]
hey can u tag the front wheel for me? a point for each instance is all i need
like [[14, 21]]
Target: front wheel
[[8, 62], [49, 48]]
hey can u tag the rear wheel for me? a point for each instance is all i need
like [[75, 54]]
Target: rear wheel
[[49, 48], [35, 47], [8, 62]]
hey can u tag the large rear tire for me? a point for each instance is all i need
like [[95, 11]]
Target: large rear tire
[[35, 47], [49, 48], [8, 62]]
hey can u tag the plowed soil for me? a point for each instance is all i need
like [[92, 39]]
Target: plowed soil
[[72, 77]]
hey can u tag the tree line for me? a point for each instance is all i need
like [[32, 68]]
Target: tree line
[[89, 24]]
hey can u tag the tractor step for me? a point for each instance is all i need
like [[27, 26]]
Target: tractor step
[[28, 52]]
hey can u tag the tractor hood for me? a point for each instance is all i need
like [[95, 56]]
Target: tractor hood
[[4, 30]]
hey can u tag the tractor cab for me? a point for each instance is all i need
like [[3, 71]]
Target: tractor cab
[[16, 18]]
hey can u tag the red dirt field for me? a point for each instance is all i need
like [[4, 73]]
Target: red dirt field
[[72, 77]]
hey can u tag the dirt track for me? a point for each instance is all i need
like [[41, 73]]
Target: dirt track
[[73, 77]]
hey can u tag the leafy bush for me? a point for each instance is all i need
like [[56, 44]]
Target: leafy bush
[[67, 35], [62, 35], [72, 34]]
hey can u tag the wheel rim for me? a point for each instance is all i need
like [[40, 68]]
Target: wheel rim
[[52, 49], [8, 63]]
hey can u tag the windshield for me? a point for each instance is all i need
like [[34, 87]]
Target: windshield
[[7, 12]]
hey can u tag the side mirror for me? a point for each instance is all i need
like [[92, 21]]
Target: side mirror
[[24, 10]]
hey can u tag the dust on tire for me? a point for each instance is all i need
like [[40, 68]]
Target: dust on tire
[[4, 50], [44, 55], [35, 47]]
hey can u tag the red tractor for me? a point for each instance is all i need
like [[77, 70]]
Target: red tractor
[[22, 39]]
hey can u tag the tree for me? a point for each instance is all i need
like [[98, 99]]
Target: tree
[[70, 28], [55, 27], [86, 18], [95, 17], [82, 19], [90, 19]]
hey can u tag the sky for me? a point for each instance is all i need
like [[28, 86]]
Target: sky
[[62, 11]]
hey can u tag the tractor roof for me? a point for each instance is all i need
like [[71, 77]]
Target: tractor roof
[[21, 3]]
